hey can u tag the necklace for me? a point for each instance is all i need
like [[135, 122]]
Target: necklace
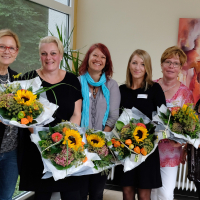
[[168, 88], [94, 91], [6, 81]]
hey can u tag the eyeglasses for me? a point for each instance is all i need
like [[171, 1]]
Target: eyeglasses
[[10, 49], [168, 63]]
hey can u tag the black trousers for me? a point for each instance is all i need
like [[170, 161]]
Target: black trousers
[[93, 185], [64, 195], [197, 184]]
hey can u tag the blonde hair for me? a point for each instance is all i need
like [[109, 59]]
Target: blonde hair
[[173, 52], [8, 32], [52, 39], [147, 63]]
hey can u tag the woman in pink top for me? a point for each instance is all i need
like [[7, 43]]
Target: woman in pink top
[[176, 94]]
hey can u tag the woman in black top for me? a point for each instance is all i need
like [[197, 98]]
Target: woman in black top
[[9, 135], [140, 92], [69, 100]]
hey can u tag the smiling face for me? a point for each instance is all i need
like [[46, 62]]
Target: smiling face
[[97, 61], [171, 72], [50, 56], [6, 58], [137, 68]]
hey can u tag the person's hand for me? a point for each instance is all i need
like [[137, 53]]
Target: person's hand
[[175, 144]]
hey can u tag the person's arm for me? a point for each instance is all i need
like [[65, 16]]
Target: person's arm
[[115, 98], [76, 117]]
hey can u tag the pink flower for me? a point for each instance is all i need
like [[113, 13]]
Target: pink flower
[[56, 137], [103, 151]]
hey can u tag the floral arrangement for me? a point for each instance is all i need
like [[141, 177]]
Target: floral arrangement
[[97, 143], [63, 146], [19, 104], [134, 138], [182, 120]]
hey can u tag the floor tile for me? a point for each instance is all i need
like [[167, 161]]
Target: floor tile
[[112, 195]]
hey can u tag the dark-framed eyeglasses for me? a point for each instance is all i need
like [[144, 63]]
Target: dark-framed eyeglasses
[[10, 49], [168, 63]]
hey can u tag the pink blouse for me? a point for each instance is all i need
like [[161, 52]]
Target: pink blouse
[[169, 155]]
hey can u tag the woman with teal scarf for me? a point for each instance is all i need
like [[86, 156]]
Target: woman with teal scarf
[[100, 108]]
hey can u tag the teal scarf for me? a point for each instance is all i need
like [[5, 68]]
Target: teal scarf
[[85, 80]]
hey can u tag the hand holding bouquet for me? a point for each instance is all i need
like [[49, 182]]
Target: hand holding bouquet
[[179, 123], [21, 104], [135, 137]]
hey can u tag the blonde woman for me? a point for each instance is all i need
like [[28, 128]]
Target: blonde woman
[[9, 46], [141, 92], [69, 99]]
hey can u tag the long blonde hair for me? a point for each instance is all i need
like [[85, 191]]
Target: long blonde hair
[[147, 63]]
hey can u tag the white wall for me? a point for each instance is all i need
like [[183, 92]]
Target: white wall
[[125, 25]]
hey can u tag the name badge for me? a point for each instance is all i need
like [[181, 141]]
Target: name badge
[[142, 96], [170, 105], [90, 94]]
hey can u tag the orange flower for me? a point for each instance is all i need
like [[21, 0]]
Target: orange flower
[[35, 106], [128, 142], [86, 135], [143, 152], [137, 150], [64, 129], [174, 110], [24, 121], [117, 144], [85, 159], [30, 118], [113, 141]]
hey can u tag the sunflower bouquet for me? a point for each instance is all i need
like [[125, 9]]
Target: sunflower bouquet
[[97, 143], [21, 104], [61, 147], [134, 138], [179, 123]]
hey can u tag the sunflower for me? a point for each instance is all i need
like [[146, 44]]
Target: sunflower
[[95, 140], [140, 133], [25, 97], [74, 139]]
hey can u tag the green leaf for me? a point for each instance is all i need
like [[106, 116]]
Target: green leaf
[[51, 129], [119, 125], [43, 135]]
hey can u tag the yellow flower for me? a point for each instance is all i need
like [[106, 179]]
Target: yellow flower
[[95, 140], [17, 76], [184, 108], [74, 139], [25, 97], [140, 133]]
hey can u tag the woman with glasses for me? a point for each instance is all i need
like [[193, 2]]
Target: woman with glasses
[[9, 45], [176, 94]]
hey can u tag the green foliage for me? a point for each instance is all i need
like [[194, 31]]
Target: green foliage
[[119, 125]]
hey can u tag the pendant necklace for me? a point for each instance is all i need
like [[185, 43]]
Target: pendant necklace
[[6, 81], [94, 91], [168, 88]]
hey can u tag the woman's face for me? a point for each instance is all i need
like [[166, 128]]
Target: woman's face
[[137, 68], [171, 68], [97, 61], [50, 56], [7, 57]]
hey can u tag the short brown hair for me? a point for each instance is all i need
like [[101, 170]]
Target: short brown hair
[[147, 63], [8, 32], [52, 39], [173, 52]]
